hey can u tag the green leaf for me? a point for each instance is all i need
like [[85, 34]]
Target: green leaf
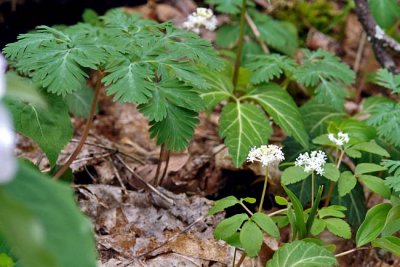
[[79, 102], [338, 227], [281, 200], [317, 227], [323, 140], [352, 153], [393, 167], [387, 79], [293, 175], [226, 228], [371, 147], [330, 92], [227, 36], [251, 238], [23, 88], [376, 185], [347, 181], [389, 243], [392, 224], [301, 253], [368, 167], [243, 126], [373, 224], [6, 261], [49, 127], [331, 172], [384, 12], [331, 211], [43, 224], [298, 211], [176, 129], [393, 182], [265, 68], [281, 107], [266, 223], [314, 208], [250, 200], [227, 6], [222, 204]]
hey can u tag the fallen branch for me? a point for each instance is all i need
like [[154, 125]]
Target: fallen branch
[[377, 37]]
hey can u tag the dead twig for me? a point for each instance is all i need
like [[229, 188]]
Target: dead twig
[[256, 33], [116, 172], [165, 168]]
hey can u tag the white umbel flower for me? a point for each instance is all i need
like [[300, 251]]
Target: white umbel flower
[[7, 136], [314, 161], [340, 139], [266, 154], [202, 17]]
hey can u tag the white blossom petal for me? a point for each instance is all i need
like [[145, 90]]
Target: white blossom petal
[[7, 145], [314, 161], [266, 154], [3, 66]]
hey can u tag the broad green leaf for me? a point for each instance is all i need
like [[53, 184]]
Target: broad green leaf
[[283, 110], [281, 200], [301, 253], [266, 223], [317, 227], [323, 140], [227, 36], [243, 126], [251, 238], [234, 240], [385, 12], [368, 167], [376, 185], [389, 243], [49, 127], [222, 204], [298, 212], [227, 6], [352, 153], [358, 131], [226, 228], [43, 225], [373, 224], [293, 174], [176, 129], [250, 200], [355, 204], [346, 183], [330, 211], [23, 88], [331, 172], [338, 227], [371, 147], [79, 102], [392, 224], [265, 68]]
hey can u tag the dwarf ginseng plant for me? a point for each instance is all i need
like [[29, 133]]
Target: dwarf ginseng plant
[[138, 61]]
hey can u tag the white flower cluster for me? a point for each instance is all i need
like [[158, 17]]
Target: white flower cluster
[[340, 139], [266, 154], [312, 162], [7, 136], [202, 17]]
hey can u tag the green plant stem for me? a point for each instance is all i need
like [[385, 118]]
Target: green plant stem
[[312, 188], [264, 190], [351, 251], [277, 212], [165, 168], [88, 126], [240, 44], [332, 183], [246, 208]]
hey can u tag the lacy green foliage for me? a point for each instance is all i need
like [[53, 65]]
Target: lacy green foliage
[[385, 12], [267, 67], [228, 6], [49, 126], [155, 65], [40, 220], [327, 74], [301, 253], [393, 167], [388, 80]]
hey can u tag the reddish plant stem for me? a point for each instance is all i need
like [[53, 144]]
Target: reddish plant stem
[[85, 133]]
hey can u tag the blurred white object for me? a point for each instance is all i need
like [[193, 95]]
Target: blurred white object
[[202, 17], [8, 162]]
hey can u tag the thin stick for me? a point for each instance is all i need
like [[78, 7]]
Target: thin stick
[[276, 212], [173, 237], [124, 190], [256, 33], [351, 251], [242, 257], [240, 45], [165, 169], [360, 52], [264, 190], [234, 257], [162, 149], [137, 176], [246, 208], [85, 133]]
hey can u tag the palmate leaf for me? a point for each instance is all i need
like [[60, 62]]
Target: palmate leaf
[[167, 93], [393, 167], [281, 107], [388, 80], [243, 126], [301, 253], [330, 92], [50, 127], [59, 62], [267, 67]]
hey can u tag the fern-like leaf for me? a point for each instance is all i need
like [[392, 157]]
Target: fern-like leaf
[[393, 167], [388, 80], [267, 67]]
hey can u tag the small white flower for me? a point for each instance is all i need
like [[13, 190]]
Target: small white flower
[[202, 17], [340, 139], [266, 154], [314, 161], [7, 136]]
